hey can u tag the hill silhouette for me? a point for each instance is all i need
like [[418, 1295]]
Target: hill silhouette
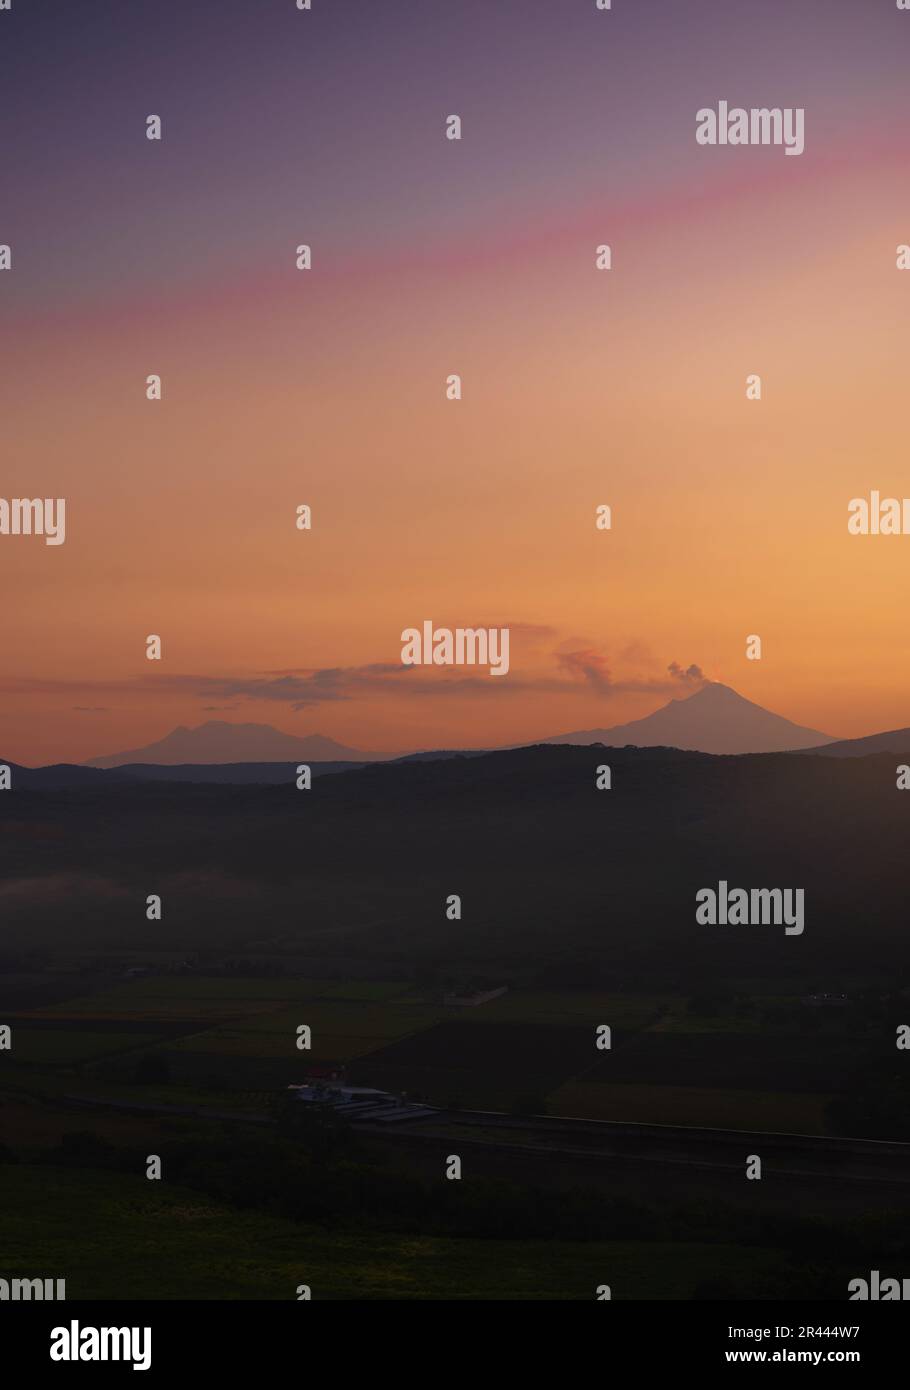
[[892, 741], [559, 881]]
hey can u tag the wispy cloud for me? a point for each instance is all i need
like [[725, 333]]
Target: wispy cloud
[[576, 667]]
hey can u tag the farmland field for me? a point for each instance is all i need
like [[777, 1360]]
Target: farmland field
[[69, 1046], [220, 1035], [711, 1108], [480, 1063], [112, 1237]]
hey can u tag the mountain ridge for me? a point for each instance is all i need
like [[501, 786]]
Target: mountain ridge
[[714, 719], [219, 741]]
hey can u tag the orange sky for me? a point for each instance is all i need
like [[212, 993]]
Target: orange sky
[[580, 388]]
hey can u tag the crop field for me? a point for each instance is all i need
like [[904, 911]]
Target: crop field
[[477, 1063], [728, 1060], [66, 1047], [527, 1049], [707, 1107], [111, 1237], [580, 1008], [340, 1029]]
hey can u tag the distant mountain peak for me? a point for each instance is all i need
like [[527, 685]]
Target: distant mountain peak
[[714, 690], [219, 741], [715, 719]]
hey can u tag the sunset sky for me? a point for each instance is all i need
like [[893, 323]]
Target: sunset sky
[[430, 257]]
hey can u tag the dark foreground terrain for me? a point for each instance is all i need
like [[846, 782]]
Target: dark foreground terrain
[[177, 1037]]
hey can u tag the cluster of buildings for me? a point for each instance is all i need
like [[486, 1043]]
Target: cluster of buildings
[[365, 1104]]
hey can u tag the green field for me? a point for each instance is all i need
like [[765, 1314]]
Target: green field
[[340, 1028], [708, 1108], [69, 1046], [114, 1237], [673, 1060]]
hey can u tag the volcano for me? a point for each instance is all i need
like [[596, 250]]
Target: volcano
[[714, 720]]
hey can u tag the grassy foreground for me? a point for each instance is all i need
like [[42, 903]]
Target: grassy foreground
[[117, 1237]]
